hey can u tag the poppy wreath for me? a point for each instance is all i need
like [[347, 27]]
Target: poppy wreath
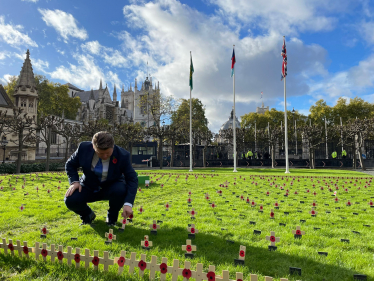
[[44, 253], [11, 247], [110, 236], [298, 232], [44, 230], [142, 265], [77, 258], [188, 248], [114, 160], [272, 239], [25, 250], [163, 268], [242, 253], [121, 261], [60, 255], [95, 261], [211, 276], [186, 273]]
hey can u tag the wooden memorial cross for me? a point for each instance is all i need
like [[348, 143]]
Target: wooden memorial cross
[[349, 203], [192, 231], [86, 258], [189, 249], [121, 261], [261, 208], [206, 196], [298, 233], [272, 214], [241, 258], [110, 236], [10, 247], [124, 222], [371, 204], [142, 264], [314, 204], [44, 232], [106, 261], [132, 262], [219, 192], [96, 260], [154, 226], [146, 243], [313, 212], [69, 255], [167, 206], [53, 253], [272, 240], [192, 213], [189, 200], [276, 205], [43, 251], [253, 203], [186, 272], [141, 210]]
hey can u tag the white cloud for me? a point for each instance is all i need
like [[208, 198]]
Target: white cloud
[[6, 78], [12, 35], [41, 65], [169, 30], [85, 74], [4, 55], [33, 1], [64, 23], [366, 30], [109, 55], [285, 16]]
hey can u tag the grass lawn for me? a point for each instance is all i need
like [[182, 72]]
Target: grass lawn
[[221, 230]]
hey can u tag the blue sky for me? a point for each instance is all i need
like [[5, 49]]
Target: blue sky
[[329, 47]]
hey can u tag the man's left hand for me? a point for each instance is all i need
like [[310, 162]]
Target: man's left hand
[[127, 211]]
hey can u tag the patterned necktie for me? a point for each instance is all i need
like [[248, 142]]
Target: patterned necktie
[[99, 169]]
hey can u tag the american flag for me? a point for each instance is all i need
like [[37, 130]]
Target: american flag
[[284, 63]]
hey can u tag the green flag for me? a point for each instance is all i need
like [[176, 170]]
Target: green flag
[[191, 72]]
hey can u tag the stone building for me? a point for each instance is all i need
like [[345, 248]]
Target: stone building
[[99, 104], [26, 97], [227, 125], [262, 109]]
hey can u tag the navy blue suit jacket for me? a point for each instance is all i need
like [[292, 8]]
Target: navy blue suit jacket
[[122, 170]]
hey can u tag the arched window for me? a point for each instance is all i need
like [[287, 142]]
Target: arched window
[[23, 102]]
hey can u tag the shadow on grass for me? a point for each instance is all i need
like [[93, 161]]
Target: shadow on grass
[[215, 249]]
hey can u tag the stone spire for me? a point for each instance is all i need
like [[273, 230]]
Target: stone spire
[[136, 84], [114, 93], [26, 77], [131, 86], [123, 88], [92, 97], [101, 84]]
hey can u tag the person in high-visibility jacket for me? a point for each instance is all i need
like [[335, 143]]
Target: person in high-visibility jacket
[[334, 154], [249, 154], [344, 153]]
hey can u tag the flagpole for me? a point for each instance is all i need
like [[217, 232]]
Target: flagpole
[[190, 122], [285, 126], [234, 120]]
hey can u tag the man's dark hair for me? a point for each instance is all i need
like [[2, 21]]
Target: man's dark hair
[[103, 140]]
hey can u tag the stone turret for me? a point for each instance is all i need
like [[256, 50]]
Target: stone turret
[[25, 92], [114, 94], [91, 101], [101, 91]]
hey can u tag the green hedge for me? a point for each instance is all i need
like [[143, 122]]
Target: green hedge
[[29, 168]]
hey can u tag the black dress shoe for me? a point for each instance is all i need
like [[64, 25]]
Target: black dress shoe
[[89, 219]]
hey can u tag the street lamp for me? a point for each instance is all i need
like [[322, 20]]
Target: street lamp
[[293, 121], [255, 136], [4, 143]]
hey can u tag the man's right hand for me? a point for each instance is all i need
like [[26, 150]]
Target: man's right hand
[[72, 188]]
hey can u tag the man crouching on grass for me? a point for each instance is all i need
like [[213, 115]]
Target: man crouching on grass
[[107, 175]]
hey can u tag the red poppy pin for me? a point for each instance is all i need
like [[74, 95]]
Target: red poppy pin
[[25, 250], [60, 255], [163, 268], [77, 258], [121, 261], [95, 261], [142, 265], [114, 160]]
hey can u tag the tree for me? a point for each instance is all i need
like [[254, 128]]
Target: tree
[[24, 127], [128, 134], [319, 112], [92, 127], [54, 99], [71, 132], [175, 134], [273, 136], [159, 106], [356, 108], [9, 88], [354, 133], [47, 125]]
